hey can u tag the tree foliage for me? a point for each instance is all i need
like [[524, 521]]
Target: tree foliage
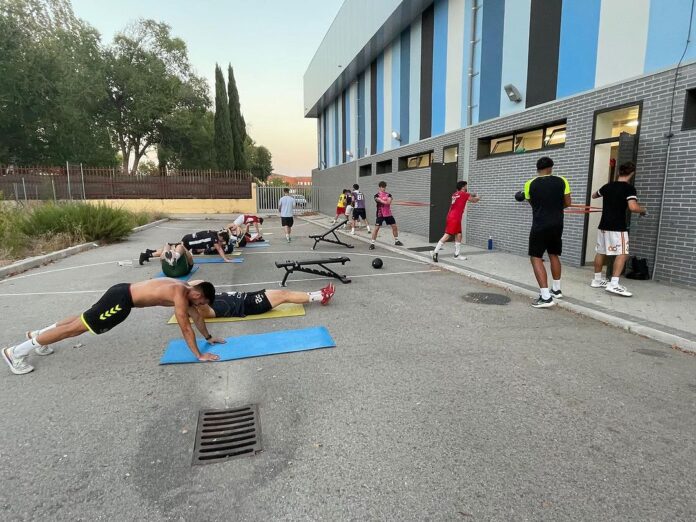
[[236, 121], [224, 147]]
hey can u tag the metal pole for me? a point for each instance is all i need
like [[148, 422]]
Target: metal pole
[[662, 208], [53, 186], [24, 186], [82, 174], [16, 192], [67, 170]]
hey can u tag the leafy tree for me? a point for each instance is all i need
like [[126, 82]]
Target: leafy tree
[[224, 148], [263, 166], [277, 182], [187, 141], [149, 79], [236, 122]]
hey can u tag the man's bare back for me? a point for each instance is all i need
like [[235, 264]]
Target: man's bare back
[[158, 292]]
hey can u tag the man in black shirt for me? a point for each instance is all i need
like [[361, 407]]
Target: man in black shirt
[[612, 236], [203, 242], [548, 195]]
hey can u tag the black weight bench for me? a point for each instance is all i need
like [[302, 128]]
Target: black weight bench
[[337, 241], [304, 266]]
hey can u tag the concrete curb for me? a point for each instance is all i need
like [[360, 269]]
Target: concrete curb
[[633, 327], [34, 262]]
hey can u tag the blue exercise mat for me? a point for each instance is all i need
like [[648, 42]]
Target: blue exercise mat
[[208, 260], [257, 244], [182, 278], [252, 345]]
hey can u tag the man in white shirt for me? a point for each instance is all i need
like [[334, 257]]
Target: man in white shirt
[[286, 206]]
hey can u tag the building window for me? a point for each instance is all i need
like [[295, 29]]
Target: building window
[[384, 167], [527, 140], [610, 124], [417, 161], [689, 121], [450, 154], [365, 170]]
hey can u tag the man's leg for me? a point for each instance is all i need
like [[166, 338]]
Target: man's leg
[[278, 297], [444, 239], [457, 244], [598, 281], [555, 262], [375, 232], [182, 250], [395, 233]]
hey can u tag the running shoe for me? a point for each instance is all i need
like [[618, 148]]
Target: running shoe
[[39, 350], [327, 293], [556, 294], [17, 365], [352, 232], [599, 283], [398, 243], [288, 239], [433, 254], [618, 290], [372, 246], [144, 256], [543, 303], [368, 230]]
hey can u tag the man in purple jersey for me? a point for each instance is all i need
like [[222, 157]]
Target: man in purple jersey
[[384, 215], [358, 209]]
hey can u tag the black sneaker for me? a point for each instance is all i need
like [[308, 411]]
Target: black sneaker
[[543, 303], [556, 294], [433, 254], [144, 256], [150, 252], [398, 243], [372, 246]]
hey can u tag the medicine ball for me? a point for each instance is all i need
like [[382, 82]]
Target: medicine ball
[[519, 196], [377, 263]]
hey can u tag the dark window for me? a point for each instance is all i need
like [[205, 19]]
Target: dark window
[[384, 167], [417, 161], [526, 140], [365, 170], [689, 121]]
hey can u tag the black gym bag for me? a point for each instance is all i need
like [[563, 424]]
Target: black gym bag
[[638, 268]]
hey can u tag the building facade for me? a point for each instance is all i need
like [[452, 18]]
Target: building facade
[[418, 93]]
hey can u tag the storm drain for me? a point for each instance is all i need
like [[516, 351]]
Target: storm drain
[[227, 434], [422, 249], [486, 298]]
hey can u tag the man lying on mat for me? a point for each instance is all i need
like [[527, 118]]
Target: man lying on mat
[[113, 308], [241, 304], [176, 260], [203, 242]]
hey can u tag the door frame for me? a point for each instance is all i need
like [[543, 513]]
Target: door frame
[[590, 173]]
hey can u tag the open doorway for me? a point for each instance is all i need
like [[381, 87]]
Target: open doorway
[[615, 139]]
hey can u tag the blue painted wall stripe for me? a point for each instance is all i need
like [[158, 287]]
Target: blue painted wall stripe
[[577, 59], [404, 84], [361, 115], [439, 67], [669, 23], [491, 59], [380, 103]]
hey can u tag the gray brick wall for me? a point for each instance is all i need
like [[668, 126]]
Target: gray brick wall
[[496, 179]]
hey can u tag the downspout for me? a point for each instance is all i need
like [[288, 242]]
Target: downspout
[[472, 53]]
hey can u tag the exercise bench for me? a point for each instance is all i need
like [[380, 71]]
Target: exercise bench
[[337, 241], [304, 266]]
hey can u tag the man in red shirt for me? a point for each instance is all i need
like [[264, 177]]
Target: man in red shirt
[[453, 225]]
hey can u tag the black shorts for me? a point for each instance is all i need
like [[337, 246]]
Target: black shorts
[[180, 268], [546, 240], [359, 213], [111, 309], [287, 221], [389, 220], [239, 304], [256, 303]]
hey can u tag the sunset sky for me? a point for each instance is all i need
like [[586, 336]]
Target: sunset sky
[[268, 42]]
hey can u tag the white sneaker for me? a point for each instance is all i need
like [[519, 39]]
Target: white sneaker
[[17, 364], [601, 283], [39, 350], [368, 230], [618, 290], [459, 256], [352, 231]]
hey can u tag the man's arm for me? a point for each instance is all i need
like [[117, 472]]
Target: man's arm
[[596, 195], [567, 201], [181, 307], [474, 198], [635, 207], [199, 321], [220, 251]]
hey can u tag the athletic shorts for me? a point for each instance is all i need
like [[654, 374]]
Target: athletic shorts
[[453, 226], [349, 211], [180, 267], [111, 309], [340, 211], [256, 303], [612, 243], [389, 220], [359, 213], [546, 240], [287, 221]]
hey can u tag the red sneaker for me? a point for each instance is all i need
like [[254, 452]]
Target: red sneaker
[[327, 293]]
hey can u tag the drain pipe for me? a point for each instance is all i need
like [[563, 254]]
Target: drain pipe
[[472, 53]]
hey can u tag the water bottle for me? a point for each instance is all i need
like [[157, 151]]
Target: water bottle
[[490, 242]]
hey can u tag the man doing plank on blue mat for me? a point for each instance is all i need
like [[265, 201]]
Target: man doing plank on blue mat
[[113, 308]]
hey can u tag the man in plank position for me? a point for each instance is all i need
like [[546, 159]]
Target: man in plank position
[[241, 304], [203, 242], [240, 226], [113, 308]]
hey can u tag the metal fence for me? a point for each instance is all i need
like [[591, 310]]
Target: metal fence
[[306, 199], [77, 182]]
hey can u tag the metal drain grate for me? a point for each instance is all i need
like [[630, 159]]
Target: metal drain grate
[[227, 434], [487, 298], [422, 249]]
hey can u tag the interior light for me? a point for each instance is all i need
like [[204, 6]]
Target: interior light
[[632, 123]]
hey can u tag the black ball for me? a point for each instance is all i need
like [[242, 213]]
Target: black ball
[[519, 196], [377, 263]]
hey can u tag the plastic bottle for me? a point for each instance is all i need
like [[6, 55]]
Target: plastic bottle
[[490, 242]]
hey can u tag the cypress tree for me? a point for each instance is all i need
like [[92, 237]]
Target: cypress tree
[[224, 147], [236, 122]]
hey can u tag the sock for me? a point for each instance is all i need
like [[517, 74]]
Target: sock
[[23, 349], [614, 281], [314, 296], [372, 241], [396, 239], [439, 246], [36, 333], [556, 285], [457, 247], [287, 236], [545, 294], [598, 276]]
